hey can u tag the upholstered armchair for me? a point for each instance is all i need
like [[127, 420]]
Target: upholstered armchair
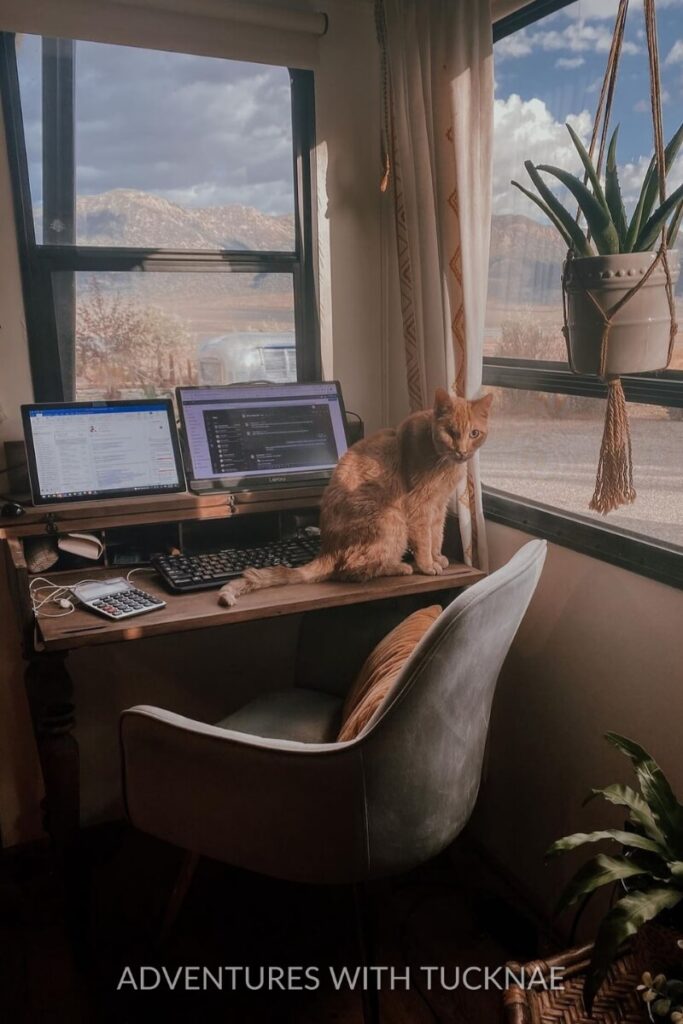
[[269, 789]]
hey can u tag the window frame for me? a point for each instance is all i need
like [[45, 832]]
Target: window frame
[[40, 261], [636, 552]]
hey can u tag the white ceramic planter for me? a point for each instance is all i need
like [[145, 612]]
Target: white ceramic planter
[[639, 335]]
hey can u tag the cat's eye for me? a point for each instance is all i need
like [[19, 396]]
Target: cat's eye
[[475, 433]]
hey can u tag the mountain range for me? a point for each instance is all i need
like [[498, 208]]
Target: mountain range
[[524, 267], [142, 220]]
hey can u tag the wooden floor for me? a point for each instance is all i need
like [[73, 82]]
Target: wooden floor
[[452, 913]]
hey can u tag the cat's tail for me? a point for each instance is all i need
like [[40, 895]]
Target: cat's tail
[[321, 568]]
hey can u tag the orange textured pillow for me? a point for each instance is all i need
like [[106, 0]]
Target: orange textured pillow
[[381, 668]]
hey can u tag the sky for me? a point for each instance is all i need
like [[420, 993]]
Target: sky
[[551, 72], [198, 131], [201, 131]]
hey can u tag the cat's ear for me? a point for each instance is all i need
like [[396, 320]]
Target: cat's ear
[[442, 402], [482, 405]]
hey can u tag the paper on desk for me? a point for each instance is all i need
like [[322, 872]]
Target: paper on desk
[[86, 545]]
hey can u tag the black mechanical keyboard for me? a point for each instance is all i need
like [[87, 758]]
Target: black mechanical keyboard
[[181, 573]]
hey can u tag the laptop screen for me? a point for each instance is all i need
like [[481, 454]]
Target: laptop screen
[[265, 434], [86, 450]]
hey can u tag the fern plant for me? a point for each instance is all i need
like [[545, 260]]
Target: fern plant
[[651, 860], [602, 204]]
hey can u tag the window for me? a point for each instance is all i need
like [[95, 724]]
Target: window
[[548, 424], [165, 210]]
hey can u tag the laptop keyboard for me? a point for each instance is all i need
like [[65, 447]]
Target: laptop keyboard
[[183, 573]]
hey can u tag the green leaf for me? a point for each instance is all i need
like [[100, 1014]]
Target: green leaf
[[676, 868], [579, 241], [648, 235], [624, 919], [632, 839], [674, 226], [613, 191], [649, 190], [547, 211], [589, 168], [656, 790], [639, 212], [639, 812], [598, 871], [597, 217]]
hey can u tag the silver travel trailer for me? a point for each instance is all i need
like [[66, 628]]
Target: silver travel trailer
[[247, 356]]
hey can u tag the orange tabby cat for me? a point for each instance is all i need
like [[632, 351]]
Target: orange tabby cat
[[388, 494]]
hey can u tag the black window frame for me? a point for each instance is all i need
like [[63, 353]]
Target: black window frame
[[41, 262], [636, 552]]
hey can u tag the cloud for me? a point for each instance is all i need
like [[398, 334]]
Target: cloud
[[644, 106], [518, 44], [196, 130], [569, 62], [631, 177], [675, 54], [576, 37], [526, 130]]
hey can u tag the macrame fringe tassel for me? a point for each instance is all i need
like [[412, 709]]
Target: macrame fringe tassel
[[614, 482]]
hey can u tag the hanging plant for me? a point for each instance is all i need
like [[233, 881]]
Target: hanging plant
[[618, 290], [610, 257]]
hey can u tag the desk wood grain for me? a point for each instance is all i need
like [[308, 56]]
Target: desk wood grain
[[201, 610]]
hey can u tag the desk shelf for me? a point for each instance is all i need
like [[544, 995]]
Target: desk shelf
[[170, 508]]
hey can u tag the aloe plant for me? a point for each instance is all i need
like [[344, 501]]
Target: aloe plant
[[609, 230], [651, 859]]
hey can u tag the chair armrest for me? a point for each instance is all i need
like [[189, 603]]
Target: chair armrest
[[287, 809]]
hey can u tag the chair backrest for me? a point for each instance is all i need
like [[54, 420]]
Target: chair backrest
[[423, 753]]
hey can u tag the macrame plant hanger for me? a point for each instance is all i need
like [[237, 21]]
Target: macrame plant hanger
[[614, 481]]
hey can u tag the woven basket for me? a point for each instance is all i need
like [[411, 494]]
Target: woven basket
[[617, 1002]]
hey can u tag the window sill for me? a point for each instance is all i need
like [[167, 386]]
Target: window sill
[[645, 556]]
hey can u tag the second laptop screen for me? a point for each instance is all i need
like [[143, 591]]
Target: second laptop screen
[[257, 431]]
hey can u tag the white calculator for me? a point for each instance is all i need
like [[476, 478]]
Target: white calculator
[[115, 598]]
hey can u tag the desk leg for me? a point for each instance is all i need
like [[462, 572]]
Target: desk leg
[[50, 692]]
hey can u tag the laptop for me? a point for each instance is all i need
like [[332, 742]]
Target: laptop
[[84, 451], [241, 437]]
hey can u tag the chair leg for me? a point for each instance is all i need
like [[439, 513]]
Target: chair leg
[[369, 993], [177, 897]]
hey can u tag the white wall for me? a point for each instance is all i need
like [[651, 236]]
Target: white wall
[[15, 375], [349, 207], [600, 649]]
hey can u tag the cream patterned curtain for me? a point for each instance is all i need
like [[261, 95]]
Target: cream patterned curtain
[[438, 69]]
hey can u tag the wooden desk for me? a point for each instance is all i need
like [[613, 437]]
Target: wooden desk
[[46, 644], [201, 610]]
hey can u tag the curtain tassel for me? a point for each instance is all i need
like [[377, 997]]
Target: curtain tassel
[[614, 482]]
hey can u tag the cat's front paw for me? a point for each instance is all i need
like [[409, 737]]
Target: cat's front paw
[[227, 596], [429, 568], [441, 560]]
